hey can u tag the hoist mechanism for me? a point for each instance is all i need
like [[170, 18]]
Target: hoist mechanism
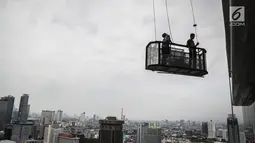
[[180, 59]]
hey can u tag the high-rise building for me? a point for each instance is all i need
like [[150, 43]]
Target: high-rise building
[[82, 117], [23, 108], [140, 133], [94, 117], [59, 115], [222, 133], [111, 130], [148, 134], [219, 133], [51, 134], [6, 107], [211, 130], [233, 129], [47, 117], [225, 134], [15, 115], [121, 114], [22, 132], [182, 123], [204, 129], [242, 137]]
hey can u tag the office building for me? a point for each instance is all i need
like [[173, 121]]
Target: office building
[[204, 129], [6, 107], [15, 115], [219, 133], [82, 117], [222, 133], [94, 117], [225, 134], [182, 123], [110, 130], [233, 129], [59, 115], [22, 132], [51, 134], [140, 133], [148, 134], [211, 130], [242, 137], [23, 108], [47, 117]]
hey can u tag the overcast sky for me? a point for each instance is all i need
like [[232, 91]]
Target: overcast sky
[[88, 56]]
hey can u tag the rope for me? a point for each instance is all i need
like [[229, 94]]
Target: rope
[[231, 73], [194, 20], [168, 19], [155, 30], [231, 97]]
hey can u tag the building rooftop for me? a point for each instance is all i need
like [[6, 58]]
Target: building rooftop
[[111, 120]]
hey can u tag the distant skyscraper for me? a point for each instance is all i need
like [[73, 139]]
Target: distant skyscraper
[[59, 115], [47, 117], [148, 134], [211, 129], [121, 114], [205, 129], [233, 129], [111, 130], [6, 107], [182, 123], [140, 133], [23, 108], [83, 117], [15, 114], [94, 117]]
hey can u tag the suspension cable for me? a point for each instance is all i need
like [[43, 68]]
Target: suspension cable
[[168, 19], [155, 29], [231, 74], [230, 78], [194, 20]]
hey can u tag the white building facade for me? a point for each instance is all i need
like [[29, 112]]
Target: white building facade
[[211, 130]]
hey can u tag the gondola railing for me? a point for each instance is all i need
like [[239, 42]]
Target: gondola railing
[[179, 57]]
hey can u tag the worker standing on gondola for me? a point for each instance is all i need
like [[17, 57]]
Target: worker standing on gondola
[[165, 47], [192, 50]]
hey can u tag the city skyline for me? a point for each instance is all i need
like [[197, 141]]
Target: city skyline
[[81, 56]]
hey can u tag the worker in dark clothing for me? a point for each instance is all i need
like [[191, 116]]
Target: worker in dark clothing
[[192, 50], [165, 47]]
